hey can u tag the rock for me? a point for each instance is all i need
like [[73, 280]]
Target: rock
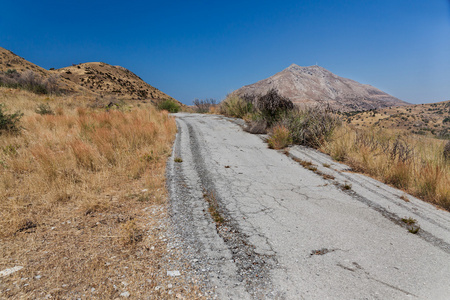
[[173, 273], [125, 294], [7, 272]]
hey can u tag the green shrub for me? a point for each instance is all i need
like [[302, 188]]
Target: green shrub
[[234, 106], [9, 123], [169, 105]]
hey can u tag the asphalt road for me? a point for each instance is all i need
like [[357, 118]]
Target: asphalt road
[[289, 233]]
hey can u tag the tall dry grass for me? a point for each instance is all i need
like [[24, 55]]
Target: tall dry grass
[[83, 192], [413, 163]]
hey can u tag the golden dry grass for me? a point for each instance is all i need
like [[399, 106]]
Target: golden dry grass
[[84, 201], [410, 162]]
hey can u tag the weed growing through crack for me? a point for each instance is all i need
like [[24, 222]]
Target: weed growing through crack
[[346, 186], [411, 225], [213, 207], [178, 159]]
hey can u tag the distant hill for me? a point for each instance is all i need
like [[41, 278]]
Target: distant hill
[[106, 79], [93, 79], [314, 84], [431, 119]]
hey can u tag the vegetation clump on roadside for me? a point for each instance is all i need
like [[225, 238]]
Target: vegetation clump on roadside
[[203, 106], [170, 106], [285, 122]]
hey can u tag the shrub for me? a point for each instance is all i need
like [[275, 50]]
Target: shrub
[[170, 106], [279, 137], [44, 109], [234, 106], [310, 126], [446, 151], [203, 106], [272, 105], [28, 80], [9, 123]]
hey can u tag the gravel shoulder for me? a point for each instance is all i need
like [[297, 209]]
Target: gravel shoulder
[[288, 232]]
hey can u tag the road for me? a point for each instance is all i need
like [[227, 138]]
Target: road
[[289, 233]]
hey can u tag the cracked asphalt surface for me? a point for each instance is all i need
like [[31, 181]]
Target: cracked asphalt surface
[[288, 233]]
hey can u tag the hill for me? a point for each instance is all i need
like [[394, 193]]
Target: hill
[[93, 79], [10, 61], [314, 84], [106, 79], [431, 119]]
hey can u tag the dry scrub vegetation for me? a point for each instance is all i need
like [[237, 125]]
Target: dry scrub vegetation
[[413, 163], [83, 201], [417, 164]]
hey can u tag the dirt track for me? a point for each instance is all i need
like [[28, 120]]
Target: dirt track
[[288, 233]]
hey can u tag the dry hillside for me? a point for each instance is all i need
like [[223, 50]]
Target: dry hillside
[[11, 61], [105, 79], [314, 84], [88, 79], [425, 119]]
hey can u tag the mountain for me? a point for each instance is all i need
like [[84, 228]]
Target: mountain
[[314, 84], [106, 79], [94, 79]]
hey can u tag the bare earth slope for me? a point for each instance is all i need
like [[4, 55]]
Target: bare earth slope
[[314, 84], [288, 233], [110, 80]]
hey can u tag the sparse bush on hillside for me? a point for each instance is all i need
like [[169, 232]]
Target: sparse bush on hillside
[[44, 109], [446, 151], [30, 81], [203, 106], [169, 105], [9, 123]]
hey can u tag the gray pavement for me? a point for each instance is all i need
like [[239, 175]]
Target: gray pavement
[[291, 234]]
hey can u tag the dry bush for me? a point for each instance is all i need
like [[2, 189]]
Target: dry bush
[[310, 126], [279, 137], [203, 106], [234, 106], [72, 212], [409, 162]]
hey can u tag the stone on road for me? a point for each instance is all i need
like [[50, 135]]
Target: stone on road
[[286, 232]]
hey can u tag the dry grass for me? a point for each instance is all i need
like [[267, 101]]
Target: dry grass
[[279, 137], [410, 162], [84, 201]]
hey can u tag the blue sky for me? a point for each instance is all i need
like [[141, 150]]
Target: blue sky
[[206, 49]]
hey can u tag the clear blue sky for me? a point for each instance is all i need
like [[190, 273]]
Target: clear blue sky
[[206, 49]]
